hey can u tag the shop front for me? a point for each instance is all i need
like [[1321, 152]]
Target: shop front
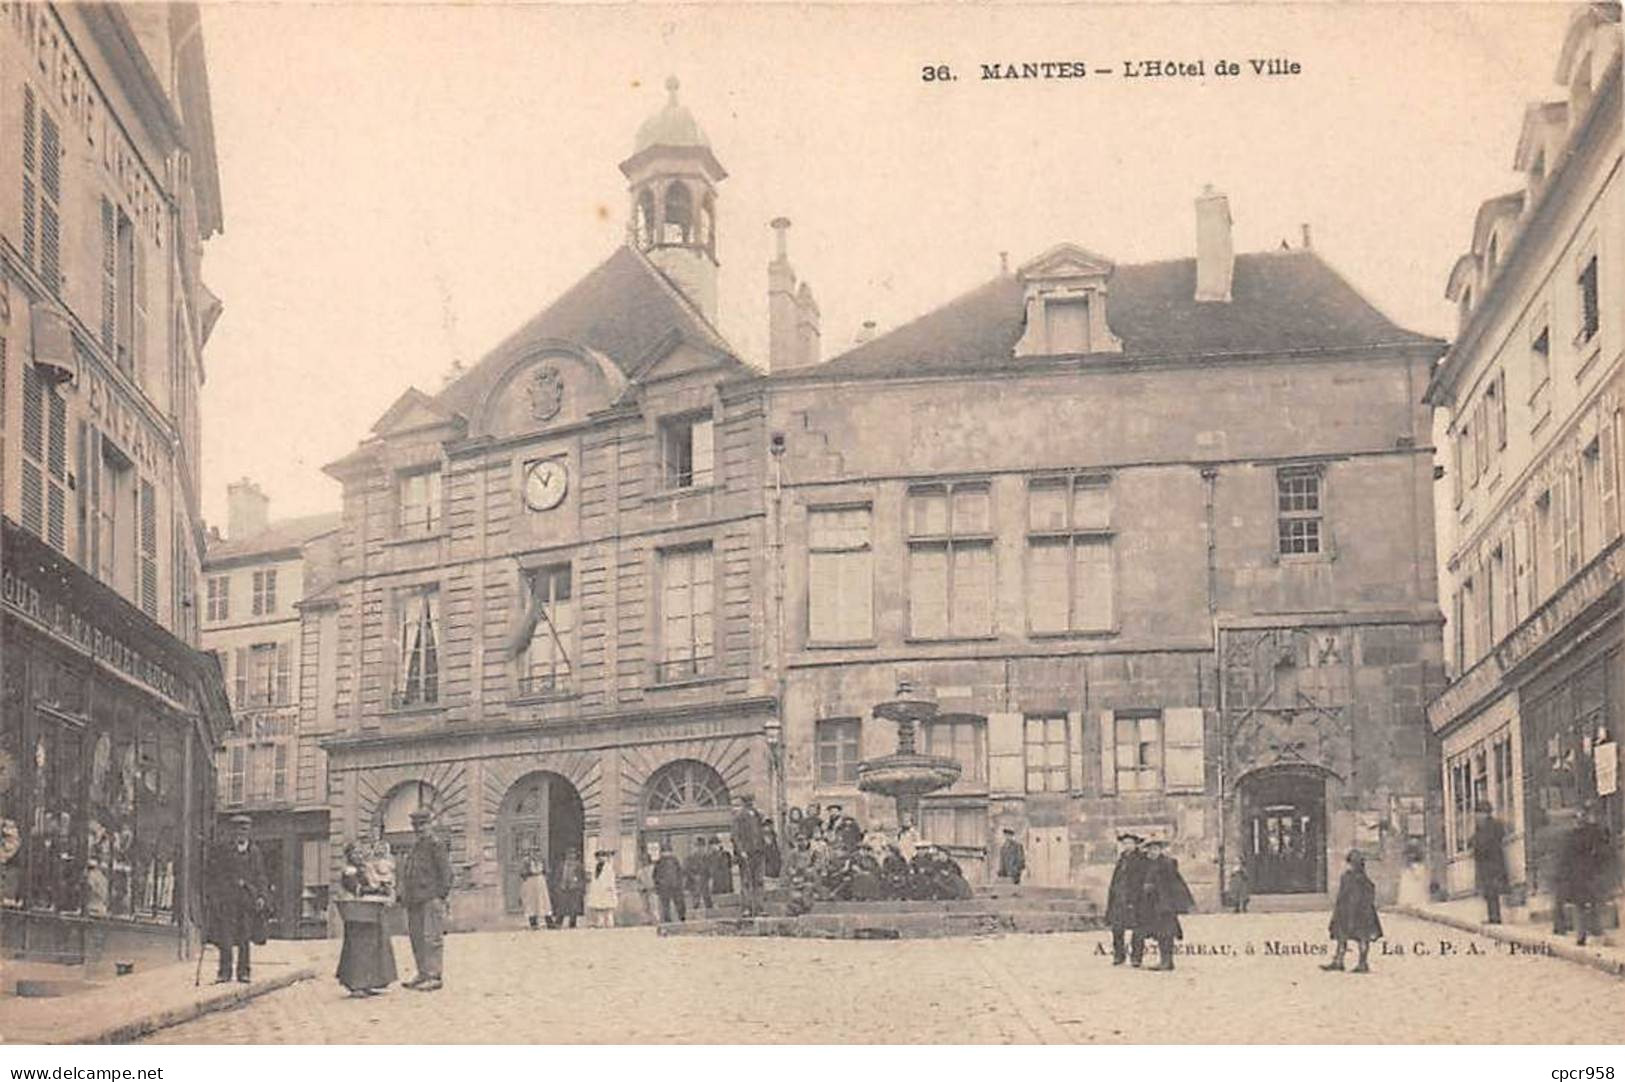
[[106, 783]]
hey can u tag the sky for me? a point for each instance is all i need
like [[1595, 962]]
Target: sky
[[404, 185]]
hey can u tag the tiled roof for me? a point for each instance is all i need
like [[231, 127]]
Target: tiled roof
[[287, 533], [1281, 302], [624, 308]]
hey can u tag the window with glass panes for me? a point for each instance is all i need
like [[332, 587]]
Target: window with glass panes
[[686, 636], [963, 740], [950, 538], [1138, 741], [840, 575], [954, 824], [547, 661], [419, 501], [418, 612], [1045, 746], [836, 747], [1298, 504], [688, 447], [1069, 555], [264, 598], [219, 597], [1589, 308]]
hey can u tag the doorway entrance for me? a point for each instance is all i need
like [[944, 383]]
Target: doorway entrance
[[1049, 857], [684, 800], [541, 814], [1283, 831]]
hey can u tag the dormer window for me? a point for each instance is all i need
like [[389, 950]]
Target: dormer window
[[1066, 305], [1067, 323]]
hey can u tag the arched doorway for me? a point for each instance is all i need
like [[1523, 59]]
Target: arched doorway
[[393, 821], [682, 801], [1283, 830], [541, 813]]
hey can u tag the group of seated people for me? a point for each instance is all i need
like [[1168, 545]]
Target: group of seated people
[[831, 858]]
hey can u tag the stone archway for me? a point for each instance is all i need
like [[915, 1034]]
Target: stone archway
[[392, 819], [683, 800], [541, 813]]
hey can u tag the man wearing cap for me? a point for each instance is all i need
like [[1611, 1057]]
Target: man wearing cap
[[425, 885], [669, 883], [235, 890], [1012, 858], [1162, 899], [1123, 898]]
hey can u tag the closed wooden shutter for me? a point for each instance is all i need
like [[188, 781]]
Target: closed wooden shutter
[[33, 495], [1005, 761], [1572, 508], [30, 192], [138, 333], [1609, 495], [1108, 753], [284, 673], [50, 217], [1183, 757], [149, 549], [109, 274], [240, 663], [1074, 743]]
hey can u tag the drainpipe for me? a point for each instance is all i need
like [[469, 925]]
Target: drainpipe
[[1210, 479], [775, 743]]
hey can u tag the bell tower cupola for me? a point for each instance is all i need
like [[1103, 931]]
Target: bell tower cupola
[[672, 177]]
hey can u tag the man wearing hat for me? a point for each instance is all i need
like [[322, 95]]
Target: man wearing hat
[[669, 882], [750, 848], [1490, 862], [1123, 898], [425, 885], [1012, 858], [235, 890], [1163, 897]]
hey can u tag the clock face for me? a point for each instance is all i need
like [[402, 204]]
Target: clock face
[[545, 484]]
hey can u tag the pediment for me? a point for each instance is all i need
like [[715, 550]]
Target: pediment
[[412, 410], [678, 356], [553, 384], [1066, 262]]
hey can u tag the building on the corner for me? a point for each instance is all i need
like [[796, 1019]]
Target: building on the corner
[[1531, 398], [108, 714], [548, 590], [1157, 537], [262, 603]]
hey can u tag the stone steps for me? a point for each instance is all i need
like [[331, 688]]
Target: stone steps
[[889, 925]]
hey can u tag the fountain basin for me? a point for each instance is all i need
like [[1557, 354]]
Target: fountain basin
[[907, 775]]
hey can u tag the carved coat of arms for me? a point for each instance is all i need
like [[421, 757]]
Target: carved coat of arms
[[546, 391]]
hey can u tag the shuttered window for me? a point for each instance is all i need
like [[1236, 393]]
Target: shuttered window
[[42, 192], [1070, 563], [687, 640], [1184, 758], [149, 549], [263, 598], [45, 459], [840, 575], [1573, 509], [218, 605], [1138, 743], [109, 275], [1046, 753], [1608, 481], [837, 748]]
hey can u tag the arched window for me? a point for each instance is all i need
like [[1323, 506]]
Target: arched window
[[686, 786], [394, 817], [679, 223], [708, 224], [643, 218]]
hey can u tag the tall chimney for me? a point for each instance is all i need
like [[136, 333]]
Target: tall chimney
[[247, 510], [1215, 253], [866, 332], [782, 311], [1307, 243]]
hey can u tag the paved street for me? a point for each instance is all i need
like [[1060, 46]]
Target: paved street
[[628, 985]]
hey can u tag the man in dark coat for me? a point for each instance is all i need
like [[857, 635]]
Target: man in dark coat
[[1490, 861], [750, 849], [1354, 914], [1012, 858], [1162, 898], [1123, 898], [699, 872], [236, 892], [569, 889], [425, 888], [668, 877], [1580, 875]]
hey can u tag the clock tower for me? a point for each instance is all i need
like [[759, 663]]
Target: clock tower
[[672, 177]]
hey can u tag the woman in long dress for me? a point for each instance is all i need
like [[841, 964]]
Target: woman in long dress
[[366, 960], [533, 892], [1354, 914], [602, 894]]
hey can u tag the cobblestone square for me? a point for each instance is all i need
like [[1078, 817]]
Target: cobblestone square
[[1242, 979]]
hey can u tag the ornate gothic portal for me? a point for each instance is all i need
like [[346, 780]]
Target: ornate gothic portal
[[1283, 830], [684, 800], [542, 813]]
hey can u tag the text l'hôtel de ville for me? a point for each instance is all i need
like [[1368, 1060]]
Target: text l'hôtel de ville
[[1220, 67]]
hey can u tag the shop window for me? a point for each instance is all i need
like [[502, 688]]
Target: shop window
[[315, 878], [687, 640], [688, 451], [965, 741], [840, 575], [1300, 514], [836, 747], [14, 826], [950, 561], [1045, 747], [1070, 564]]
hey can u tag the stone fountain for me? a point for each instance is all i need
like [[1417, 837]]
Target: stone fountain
[[906, 775]]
